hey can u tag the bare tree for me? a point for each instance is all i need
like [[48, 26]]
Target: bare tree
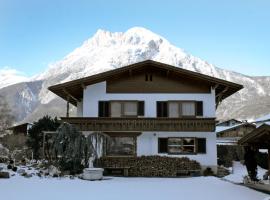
[[6, 117]]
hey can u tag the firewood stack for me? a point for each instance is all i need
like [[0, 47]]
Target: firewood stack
[[150, 166]]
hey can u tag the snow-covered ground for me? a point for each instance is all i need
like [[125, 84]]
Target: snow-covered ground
[[116, 188], [239, 171]]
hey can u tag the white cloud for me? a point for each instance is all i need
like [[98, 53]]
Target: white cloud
[[9, 76]]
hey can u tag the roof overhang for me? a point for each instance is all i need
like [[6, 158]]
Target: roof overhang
[[260, 137], [19, 126], [72, 91]]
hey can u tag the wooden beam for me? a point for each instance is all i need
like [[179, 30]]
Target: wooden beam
[[70, 95], [222, 92], [83, 86], [269, 162], [130, 72], [220, 95], [215, 87], [67, 107]]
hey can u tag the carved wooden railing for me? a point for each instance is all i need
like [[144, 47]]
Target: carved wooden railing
[[142, 124]]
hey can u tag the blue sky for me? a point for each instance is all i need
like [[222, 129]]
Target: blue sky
[[232, 34]]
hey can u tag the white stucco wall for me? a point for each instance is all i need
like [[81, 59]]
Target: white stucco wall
[[97, 92], [80, 109], [147, 144]]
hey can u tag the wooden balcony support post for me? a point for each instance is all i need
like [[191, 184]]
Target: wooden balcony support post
[[67, 115]]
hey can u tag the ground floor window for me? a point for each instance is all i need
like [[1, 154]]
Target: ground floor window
[[121, 146], [182, 145]]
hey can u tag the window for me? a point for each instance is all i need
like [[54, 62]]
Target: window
[[181, 145], [130, 108], [176, 109], [126, 108], [188, 108], [116, 109], [121, 146]]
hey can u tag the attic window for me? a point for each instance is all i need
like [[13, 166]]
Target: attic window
[[148, 77]]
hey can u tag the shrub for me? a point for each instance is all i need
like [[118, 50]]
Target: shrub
[[74, 166], [35, 139]]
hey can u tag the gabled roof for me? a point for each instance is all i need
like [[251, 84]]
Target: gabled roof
[[259, 137], [73, 90], [19, 126], [263, 118], [235, 120]]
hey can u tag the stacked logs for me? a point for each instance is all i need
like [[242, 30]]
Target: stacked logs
[[150, 166]]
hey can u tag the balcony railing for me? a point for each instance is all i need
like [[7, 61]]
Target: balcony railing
[[142, 124]]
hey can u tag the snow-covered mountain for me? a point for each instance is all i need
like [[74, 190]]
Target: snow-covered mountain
[[106, 51]]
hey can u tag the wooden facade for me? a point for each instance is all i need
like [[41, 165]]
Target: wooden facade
[[154, 81], [142, 124], [237, 131]]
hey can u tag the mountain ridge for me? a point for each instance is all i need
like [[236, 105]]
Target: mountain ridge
[[105, 51]]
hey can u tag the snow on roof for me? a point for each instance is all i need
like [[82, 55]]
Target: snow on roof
[[224, 128], [263, 118]]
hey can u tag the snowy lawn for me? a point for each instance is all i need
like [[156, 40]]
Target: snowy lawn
[[116, 188]]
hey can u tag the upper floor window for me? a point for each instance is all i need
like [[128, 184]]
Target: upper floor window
[[121, 108], [176, 109]]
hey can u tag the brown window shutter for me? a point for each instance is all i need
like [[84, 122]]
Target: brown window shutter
[[162, 109], [165, 109], [103, 109], [141, 108], [201, 145], [106, 108], [199, 108], [162, 145], [159, 108]]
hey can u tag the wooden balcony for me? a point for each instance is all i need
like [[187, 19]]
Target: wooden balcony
[[142, 124]]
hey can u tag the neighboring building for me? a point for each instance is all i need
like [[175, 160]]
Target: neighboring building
[[21, 128], [229, 135], [230, 122], [262, 120], [150, 108]]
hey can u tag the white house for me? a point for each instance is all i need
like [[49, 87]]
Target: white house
[[150, 108]]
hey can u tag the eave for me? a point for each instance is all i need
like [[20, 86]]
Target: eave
[[72, 91]]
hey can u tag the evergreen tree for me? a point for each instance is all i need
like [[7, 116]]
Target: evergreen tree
[[73, 149], [35, 139]]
